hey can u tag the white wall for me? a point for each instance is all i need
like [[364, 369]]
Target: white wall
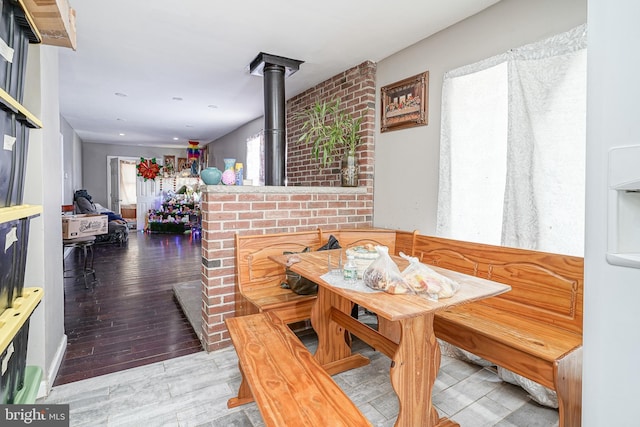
[[94, 164], [234, 144], [72, 167], [407, 161], [47, 341], [611, 372]]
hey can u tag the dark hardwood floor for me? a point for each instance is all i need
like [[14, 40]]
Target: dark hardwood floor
[[131, 317]]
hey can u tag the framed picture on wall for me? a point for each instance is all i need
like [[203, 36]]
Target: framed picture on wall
[[169, 163], [405, 103], [182, 164]]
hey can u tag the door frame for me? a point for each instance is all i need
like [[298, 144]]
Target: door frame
[[109, 158]]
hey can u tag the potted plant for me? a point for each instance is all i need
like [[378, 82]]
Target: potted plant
[[327, 129]]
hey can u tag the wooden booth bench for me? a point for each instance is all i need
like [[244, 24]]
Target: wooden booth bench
[[289, 386], [535, 330], [258, 279]]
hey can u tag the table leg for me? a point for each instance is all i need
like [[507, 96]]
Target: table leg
[[334, 342], [413, 372], [84, 266], [91, 268], [389, 329]]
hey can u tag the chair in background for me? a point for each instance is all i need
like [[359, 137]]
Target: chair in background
[[118, 230], [85, 245]]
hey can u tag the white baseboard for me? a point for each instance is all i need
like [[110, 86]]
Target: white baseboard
[[47, 381]]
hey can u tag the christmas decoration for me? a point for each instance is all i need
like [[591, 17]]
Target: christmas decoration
[[148, 168]]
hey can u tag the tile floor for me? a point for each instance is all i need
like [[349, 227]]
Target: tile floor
[[193, 390]]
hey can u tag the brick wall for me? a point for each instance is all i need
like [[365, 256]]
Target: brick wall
[[356, 88], [314, 198], [263, 210]]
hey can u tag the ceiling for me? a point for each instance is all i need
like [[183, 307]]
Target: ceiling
[[160, 72]]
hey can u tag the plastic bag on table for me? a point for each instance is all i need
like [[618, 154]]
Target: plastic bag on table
[[383, 274], [423, 279]]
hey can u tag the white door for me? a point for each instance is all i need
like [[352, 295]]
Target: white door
[[114, 184], [147, 197]]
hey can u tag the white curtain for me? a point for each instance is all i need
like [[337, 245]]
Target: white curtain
[[254, 169], [128, 175], [513, 147]]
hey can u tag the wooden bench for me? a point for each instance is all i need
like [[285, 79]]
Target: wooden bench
[[258, 279], [289, 387], [535, 330]]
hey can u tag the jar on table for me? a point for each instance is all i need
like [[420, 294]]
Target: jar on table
[[350, 271]]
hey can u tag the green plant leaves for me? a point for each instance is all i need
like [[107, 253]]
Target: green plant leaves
[[326, 127]]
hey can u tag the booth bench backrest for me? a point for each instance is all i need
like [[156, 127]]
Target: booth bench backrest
[[255, 270], [349, 238], [544, 286]]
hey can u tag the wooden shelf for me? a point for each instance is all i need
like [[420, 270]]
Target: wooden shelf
[[55, 21], [10, 103], [13, 318], [30, 20], [17, 212]]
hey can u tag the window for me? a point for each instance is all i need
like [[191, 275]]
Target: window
[[128, 175], [254, 168], [478, 118], [512, 166]]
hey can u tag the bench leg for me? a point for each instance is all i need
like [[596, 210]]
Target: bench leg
[[569, 388], [244, 393]]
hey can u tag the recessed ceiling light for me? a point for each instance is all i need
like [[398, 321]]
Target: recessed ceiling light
[[177, 98], [120, 94], [175, 138], [121, 134]]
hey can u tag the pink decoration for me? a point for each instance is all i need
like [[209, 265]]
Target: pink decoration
[[229, 177]]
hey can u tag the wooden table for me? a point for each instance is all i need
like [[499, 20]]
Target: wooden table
[[405, 325]]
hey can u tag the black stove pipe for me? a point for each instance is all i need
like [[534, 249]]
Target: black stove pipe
[[274, 69], [274, 125]]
